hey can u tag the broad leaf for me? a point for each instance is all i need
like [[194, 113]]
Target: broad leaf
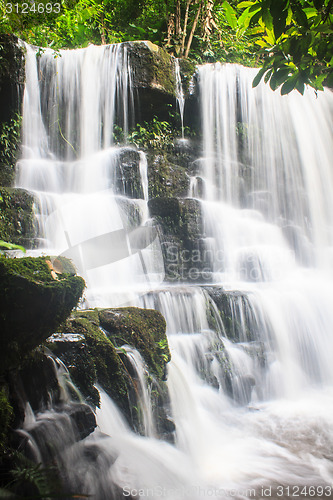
[[258, 77], [230, 15]]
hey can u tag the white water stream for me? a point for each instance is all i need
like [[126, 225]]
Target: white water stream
[[252, 401]]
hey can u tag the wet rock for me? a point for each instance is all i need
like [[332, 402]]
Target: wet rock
[[166, 178], [32, 305], [83, 418], [128, 181], [235, 312], [153, 78], [143, 329], [12, 75], [182, 237], [91, 358]]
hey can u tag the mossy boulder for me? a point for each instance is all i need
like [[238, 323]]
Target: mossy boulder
[[153, 77], [90, 345], [143, 329], [32, 304], [91, 358], [17, 224]]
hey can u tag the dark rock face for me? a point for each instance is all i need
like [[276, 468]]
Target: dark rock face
[[182, 238], [16, 217], [91, 358], [32, 304], [233, 308], [165, 177], [128, 179], [12, 76], [153, 78], [91, 349], [143, 329]]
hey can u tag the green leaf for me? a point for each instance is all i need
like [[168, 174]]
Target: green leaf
[[267, 18], [243, 5], [11, 246], [230, 15], [244, 19], [300, 15], [268, 75], [258, 77], [289, 85], [279, 77], [323, 28]]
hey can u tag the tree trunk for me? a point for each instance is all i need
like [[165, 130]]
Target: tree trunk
[[208, 22], [188, 4], [178, 28], [194, 27]]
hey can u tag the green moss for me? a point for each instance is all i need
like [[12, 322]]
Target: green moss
[[164, 74], [187, 70], [32, 305], [94, 360], [6, 416], [142, 328], [166, 178]]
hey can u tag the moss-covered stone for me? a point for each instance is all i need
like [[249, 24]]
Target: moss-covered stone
[[153, 77], [143, 329], [165, 178], [6, 416], [17, 223], [187, 71], [92, 358], [32, 305]]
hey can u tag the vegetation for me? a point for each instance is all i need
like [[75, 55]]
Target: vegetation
[[291, 39], [296, 41]]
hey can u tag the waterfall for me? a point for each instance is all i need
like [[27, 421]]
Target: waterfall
[[250, 380], [84, 202], [180, 94]]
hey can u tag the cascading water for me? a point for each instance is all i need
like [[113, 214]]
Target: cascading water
[[71, 105], [180, 94], [250, 394]]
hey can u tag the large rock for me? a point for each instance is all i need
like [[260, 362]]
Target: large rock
[[32, 305], [91, 358], [154, 78], [143, 329], [91, 347]]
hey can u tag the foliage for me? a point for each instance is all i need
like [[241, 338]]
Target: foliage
[[293, 39], [296, 41], [10, 140], [156, 134], [11, 246]]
